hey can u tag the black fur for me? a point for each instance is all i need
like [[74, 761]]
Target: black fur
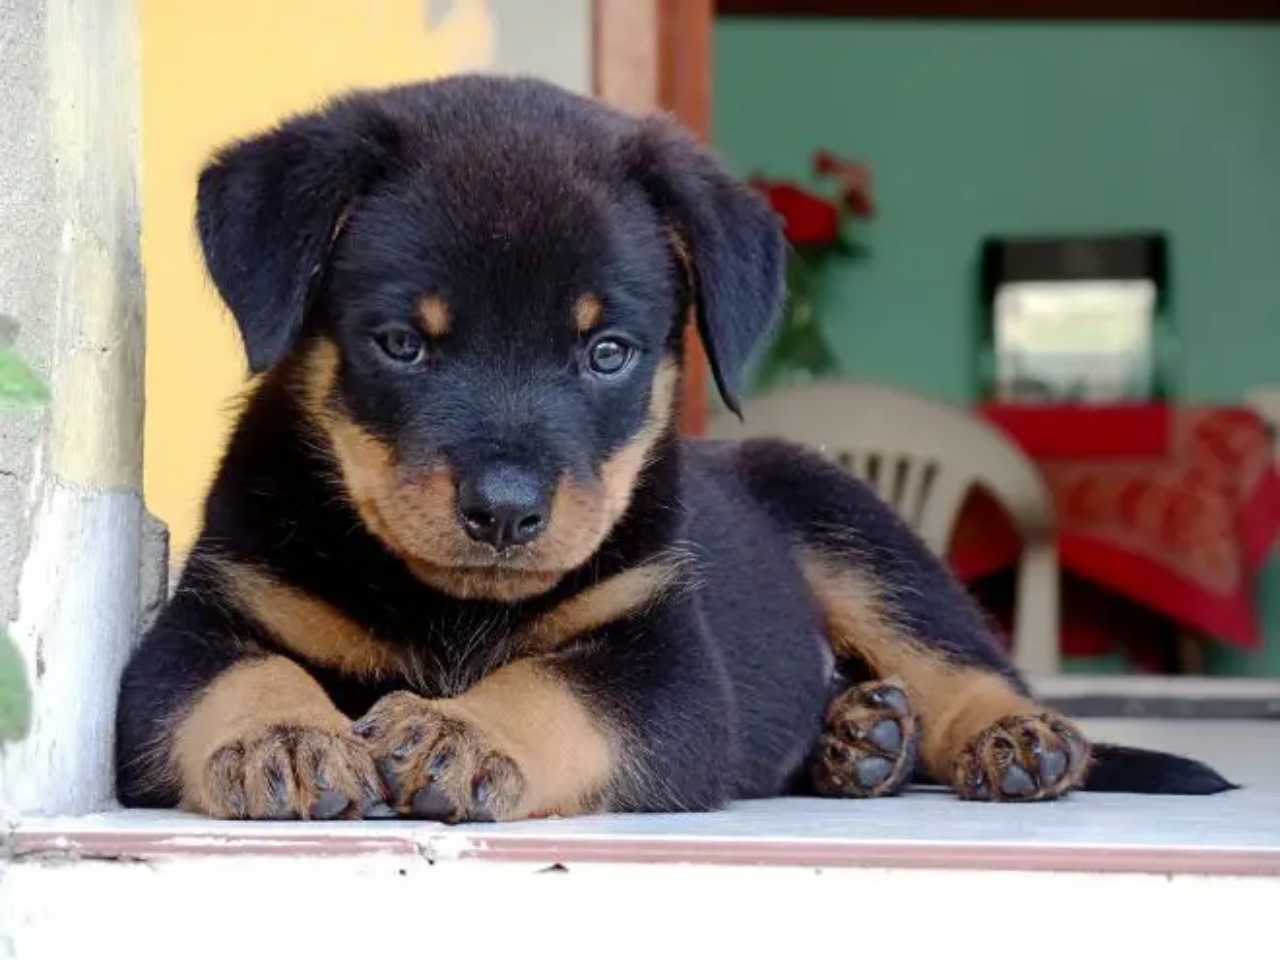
[[816, 498], [738, 268], [267, 210], [509, 199]]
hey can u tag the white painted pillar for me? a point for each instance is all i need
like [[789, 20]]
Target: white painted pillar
[[71, 509]]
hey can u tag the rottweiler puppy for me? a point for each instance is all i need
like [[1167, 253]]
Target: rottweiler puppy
[[458, 564]]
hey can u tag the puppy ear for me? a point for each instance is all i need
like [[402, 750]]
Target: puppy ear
[[731, 241], [268, 209]]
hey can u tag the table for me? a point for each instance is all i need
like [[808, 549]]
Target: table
[[1175, 508]]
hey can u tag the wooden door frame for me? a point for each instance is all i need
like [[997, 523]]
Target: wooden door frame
[[650, 56]]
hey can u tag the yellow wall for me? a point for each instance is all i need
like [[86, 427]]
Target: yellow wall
[[214, 69]]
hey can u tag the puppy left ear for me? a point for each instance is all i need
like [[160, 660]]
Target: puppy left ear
[[268, 208], [732, 242]]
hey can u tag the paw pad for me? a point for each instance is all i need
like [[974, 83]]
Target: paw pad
[[1022, 758], [870, 744]]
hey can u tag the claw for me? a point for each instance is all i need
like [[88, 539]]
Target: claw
[[329, 804], [432, 803]]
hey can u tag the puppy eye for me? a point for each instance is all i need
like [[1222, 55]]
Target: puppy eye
[[609, 356], [401, 344]]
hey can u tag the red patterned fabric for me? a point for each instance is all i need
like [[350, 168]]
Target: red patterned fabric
[[1183, 532]]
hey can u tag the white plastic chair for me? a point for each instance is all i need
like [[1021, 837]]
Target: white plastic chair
[[922, 458]]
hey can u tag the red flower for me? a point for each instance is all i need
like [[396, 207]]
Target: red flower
[[808, 220], [826, 163], [855, 182]]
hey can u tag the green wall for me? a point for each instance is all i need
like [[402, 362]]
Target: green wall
[[978, 128], [972, 129]]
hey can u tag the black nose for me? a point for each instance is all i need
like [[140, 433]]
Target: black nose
[[503, 506]]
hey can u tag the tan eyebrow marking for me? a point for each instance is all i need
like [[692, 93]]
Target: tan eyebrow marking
[[433, 314], [588, 313]]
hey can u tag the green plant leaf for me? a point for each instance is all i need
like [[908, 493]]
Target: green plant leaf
[[15, 695], [18, 384]]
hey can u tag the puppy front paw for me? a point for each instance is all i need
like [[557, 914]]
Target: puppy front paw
[[437, 763], [288, 771]]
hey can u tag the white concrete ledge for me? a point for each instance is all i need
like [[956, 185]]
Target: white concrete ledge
[[1167, 877], [359, 906], [1236, 834]]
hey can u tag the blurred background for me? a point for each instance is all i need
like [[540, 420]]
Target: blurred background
[[1034, 267]]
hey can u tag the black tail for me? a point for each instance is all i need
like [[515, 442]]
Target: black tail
[[1134, 770]]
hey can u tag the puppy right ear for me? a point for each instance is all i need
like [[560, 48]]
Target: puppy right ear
[[269, 207]]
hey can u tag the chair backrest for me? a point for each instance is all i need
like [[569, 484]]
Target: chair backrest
[[920, 456]]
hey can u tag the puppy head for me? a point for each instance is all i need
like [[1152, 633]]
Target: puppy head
[[477, 288]]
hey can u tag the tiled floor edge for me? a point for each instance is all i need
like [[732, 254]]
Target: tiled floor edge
[[27, 842], [895, 855], [442, 845]]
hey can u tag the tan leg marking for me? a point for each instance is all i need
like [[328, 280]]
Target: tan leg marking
[[964, 711], [264, 741], [309, 627], [519, 743]]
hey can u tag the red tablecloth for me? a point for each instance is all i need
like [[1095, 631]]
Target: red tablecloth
[[1181, 524]]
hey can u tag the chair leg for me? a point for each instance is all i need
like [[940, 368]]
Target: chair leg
[[1037, 625]]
